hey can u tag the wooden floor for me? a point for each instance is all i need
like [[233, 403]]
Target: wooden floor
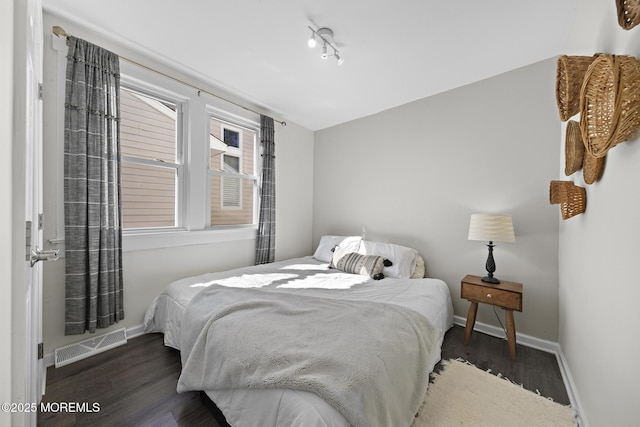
[[135, 385]]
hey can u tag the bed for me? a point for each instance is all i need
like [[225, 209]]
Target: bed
[[301, 342]]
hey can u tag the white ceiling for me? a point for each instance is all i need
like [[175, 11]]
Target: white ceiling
[[395, 51]]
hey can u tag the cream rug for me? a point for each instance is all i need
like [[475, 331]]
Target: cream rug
[[463, 395]]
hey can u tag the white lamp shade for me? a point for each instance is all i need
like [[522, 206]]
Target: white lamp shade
[[491, 228]]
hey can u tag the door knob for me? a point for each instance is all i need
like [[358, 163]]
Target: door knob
[[38, 254]]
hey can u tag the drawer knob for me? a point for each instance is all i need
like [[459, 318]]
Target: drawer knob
[[489, 296]]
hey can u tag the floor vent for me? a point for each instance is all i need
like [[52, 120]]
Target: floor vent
[[90, 347]]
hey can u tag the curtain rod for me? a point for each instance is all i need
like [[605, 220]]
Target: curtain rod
[[60, 32]]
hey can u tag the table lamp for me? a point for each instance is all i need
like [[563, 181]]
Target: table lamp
[[491, 228]]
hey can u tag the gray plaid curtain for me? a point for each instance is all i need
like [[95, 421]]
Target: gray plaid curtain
[[93, 292], [266, 240]]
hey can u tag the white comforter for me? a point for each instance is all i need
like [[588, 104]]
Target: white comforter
[[365, 359], [303, 276]]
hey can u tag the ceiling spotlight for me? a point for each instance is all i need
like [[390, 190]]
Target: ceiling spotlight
[[326, 36], [312, 39]]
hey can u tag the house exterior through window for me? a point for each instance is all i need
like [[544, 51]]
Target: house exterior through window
[[151, 162], [232, 171]]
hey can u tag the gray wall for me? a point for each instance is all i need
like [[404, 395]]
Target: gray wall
[[414, 174], [599, 252]]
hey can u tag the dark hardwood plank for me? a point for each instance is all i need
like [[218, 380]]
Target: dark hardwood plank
[[135, 384]]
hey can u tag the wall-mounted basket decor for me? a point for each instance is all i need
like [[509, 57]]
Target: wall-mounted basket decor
[[592, 168], [609, 102], [573, 148], [569, 76], [628, 13], [571, 198]]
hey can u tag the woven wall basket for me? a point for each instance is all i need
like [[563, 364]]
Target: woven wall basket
[[609, 102], [628, 13], [569, 76], [571, 198], [592, 168], [574, 148]]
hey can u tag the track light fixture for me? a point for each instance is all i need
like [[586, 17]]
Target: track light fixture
[[326, 37]]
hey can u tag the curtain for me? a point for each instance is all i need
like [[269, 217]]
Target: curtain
[[266, 239], [93, 234]]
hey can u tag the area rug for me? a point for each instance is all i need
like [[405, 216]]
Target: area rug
[[463, 395]]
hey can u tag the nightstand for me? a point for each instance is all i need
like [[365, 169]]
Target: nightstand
[[506, 295]]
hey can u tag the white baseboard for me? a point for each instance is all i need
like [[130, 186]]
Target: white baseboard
[[132, 332], [49, 359], [135, 331], [571, 388], [494, 331], [538, 344]]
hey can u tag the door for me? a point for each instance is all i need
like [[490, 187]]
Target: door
[[35, 369]]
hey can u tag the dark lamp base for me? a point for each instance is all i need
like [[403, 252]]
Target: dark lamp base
[[491, 267]]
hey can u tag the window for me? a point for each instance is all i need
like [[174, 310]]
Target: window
[[151, 166], [173, 156], [232, 173]]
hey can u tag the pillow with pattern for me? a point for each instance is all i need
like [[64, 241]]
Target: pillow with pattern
[[355, 263]]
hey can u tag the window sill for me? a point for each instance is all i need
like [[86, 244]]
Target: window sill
[[140, 241], [147, 240]]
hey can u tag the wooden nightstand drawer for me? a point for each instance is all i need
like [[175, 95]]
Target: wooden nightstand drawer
[[507, 295], [493, 296]]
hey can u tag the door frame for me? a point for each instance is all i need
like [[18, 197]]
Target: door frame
[[35, 370], [8, 219], [22, 26]]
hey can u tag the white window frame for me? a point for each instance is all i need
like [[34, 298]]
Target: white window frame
[[196, 215]]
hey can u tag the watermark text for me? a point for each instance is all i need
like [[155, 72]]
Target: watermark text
[[69, 407]]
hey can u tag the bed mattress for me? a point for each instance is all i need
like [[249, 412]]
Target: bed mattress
[[303, 276]]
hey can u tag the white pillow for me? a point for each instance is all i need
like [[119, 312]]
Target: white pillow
[[420, 270], [404, 259], [324, 251]]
